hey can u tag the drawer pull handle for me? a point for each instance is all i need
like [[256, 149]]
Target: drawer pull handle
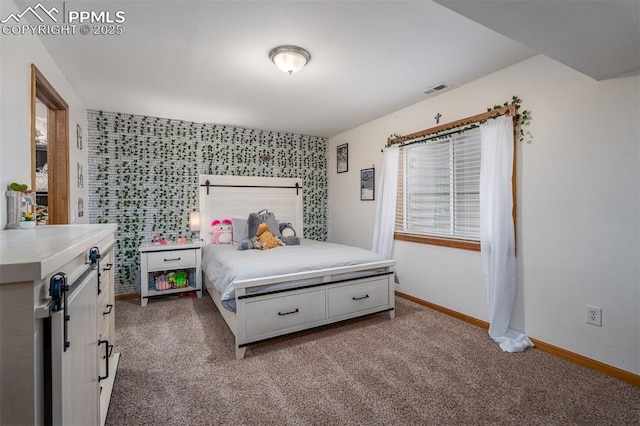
[[172, 260], [366, 296], [108, 267], [289, 313], [106, 358], [110, 307]]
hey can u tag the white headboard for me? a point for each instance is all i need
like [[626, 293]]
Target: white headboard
[[228, 197]]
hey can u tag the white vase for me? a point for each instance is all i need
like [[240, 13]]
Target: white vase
[[27, 224]]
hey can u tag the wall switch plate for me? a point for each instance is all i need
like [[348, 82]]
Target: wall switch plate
[[594, 315]]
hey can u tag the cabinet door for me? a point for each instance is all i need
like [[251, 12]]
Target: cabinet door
[[79, 373], [109, 283], [106, 306], [106, 325]]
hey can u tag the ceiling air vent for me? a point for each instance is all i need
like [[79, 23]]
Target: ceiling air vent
[[437, 88]]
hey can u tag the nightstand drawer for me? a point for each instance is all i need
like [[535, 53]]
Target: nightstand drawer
[[174, 259]]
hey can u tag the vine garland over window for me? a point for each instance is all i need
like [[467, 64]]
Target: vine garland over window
[[521, 120], [438, 183]]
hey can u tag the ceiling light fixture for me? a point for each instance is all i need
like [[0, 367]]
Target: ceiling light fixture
[[289, 59]]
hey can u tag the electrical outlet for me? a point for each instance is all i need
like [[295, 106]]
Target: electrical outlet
[[594, 315]]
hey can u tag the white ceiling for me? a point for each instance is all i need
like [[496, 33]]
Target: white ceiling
[[598, 38], [208, 61]]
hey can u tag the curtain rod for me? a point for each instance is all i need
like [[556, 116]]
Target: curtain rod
[[510, 110], [439, 135]]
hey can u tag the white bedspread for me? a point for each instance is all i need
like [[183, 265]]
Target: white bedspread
[[224, 263]]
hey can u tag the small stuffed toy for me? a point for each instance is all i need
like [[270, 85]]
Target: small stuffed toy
[[158, 239], [178, 279], [289, 235], [162, 282], [287, 230], [221, 231], [266, 240]]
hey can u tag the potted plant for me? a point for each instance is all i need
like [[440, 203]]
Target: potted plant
[[27, 221]]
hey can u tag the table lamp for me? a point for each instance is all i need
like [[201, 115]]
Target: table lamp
[[194, 225]]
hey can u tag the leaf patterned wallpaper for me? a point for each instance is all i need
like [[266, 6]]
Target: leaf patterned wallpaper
[[143, 174]]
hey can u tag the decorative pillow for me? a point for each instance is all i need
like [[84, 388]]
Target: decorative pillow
[[239, 230], [221, 231], [263, 216]]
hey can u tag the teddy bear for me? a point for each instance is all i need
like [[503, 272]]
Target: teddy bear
[[265, 240], [221, 231]]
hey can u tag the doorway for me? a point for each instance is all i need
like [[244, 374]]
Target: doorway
[[49, 151]]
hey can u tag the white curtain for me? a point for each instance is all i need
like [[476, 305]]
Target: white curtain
[[497, 231], [386, 206]]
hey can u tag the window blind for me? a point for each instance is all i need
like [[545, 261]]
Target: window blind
[[439, 187]]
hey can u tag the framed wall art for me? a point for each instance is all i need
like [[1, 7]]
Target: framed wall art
[[78, 136], [367, 184], [80, 176], [343, 157]]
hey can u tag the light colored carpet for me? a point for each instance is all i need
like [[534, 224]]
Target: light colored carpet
[[178, 367]]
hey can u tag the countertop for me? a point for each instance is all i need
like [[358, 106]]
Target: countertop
[[33, 254]]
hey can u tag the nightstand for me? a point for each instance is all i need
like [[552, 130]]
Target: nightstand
[[159, 259]]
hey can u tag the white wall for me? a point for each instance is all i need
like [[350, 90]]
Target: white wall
[[578, 215], [17, 53]]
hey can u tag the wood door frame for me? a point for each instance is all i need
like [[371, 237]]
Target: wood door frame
[[57, 146]]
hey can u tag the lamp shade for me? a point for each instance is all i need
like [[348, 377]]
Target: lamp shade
[[289, 59], [194, 221]]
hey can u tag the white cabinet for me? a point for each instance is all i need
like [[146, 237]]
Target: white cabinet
[[106, 323], [78, 366], [158, 262], [51, 360]]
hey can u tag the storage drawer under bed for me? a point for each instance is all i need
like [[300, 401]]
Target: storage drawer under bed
[[358, 297], [280, 313]]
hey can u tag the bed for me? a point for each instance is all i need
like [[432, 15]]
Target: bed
[[263, 294]]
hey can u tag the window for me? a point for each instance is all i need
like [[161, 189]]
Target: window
[[439, 191]]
